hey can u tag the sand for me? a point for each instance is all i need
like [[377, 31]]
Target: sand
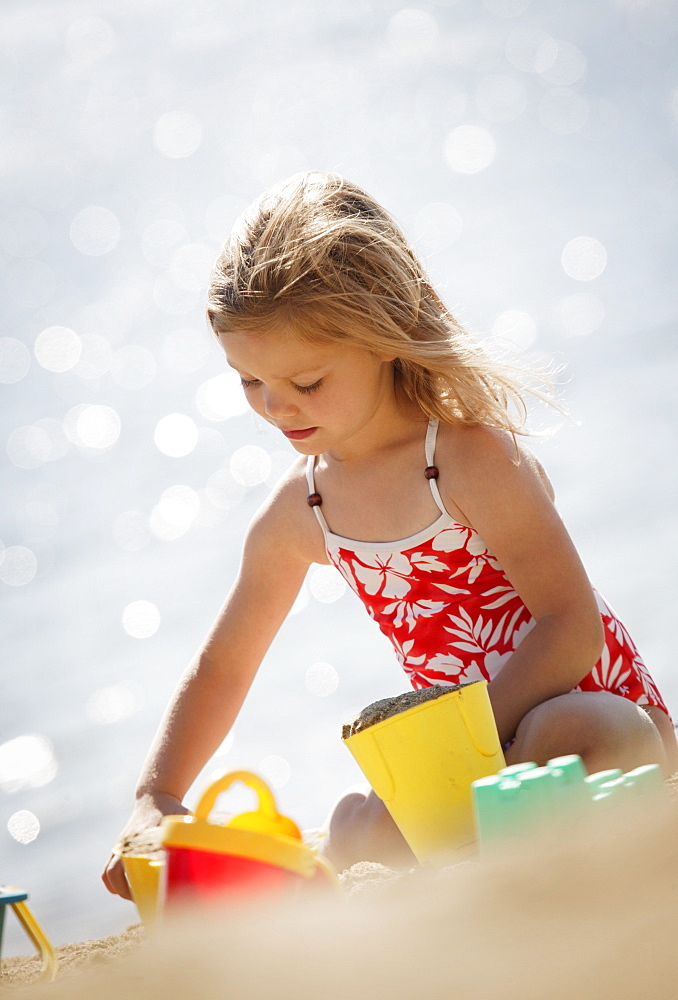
[[363, 879], [590, 913], [26, 969], [599, 905], [388, 707]]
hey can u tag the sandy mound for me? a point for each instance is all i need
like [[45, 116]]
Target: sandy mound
[[22, 970], [589, 912], [387, 707], [599, 905]]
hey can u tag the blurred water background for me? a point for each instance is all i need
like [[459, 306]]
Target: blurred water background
[[528, 149]]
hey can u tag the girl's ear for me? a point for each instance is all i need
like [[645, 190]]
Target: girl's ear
[[386, 358]]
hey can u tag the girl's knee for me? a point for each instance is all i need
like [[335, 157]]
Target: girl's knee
[[360, 828], [606, 730]]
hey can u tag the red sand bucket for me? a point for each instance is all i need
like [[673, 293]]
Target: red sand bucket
[[258, 852]]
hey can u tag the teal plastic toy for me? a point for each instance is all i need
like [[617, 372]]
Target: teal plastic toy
[[525, 798]]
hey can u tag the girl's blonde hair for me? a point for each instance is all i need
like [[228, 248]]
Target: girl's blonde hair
[[319, 255]]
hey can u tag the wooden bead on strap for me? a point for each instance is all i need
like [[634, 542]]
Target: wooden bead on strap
[[314, 500], [431, 472]]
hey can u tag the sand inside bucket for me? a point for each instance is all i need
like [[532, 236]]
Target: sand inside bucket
[[146, 844], [387, 707]]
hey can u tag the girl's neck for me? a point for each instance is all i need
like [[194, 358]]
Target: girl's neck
[[394, 426]]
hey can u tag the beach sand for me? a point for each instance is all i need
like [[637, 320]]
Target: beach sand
[[365, 878], [590, 911]]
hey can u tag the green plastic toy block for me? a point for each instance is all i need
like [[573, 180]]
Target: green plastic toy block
[[525, 798]]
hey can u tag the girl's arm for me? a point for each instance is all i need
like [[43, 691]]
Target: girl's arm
[[213, 688], [511, 508]]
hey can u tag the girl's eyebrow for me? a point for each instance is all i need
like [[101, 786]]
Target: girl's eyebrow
[[292, 375], [304, 371]]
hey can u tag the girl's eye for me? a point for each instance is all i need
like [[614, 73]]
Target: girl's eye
[[309, 388], [248, 383]]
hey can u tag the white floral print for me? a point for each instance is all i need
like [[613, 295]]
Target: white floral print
[[452, 615]]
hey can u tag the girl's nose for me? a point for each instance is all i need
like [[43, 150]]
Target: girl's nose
[[278, 404]]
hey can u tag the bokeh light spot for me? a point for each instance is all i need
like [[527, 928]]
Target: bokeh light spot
[[23, 826], [177, 134], [223, 491], [280, 463], [15, 360], [221, 397], [19, 566], [321, 679], [584, 258], [412, 32], [469, 149], [176, 435], [141, 619], [175, 512], [26, 762], [301, 601], [531, 49], [89, 39], [276, 770], [58, 348], [45, 441], [95, 357], [516, 327], [568, 67], [95, 427], [326, 584], [115, 703], [94, 231], [581, 314], [250, 465]]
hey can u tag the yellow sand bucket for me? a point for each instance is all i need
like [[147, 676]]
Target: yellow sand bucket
[[422, 761], [143, 876]]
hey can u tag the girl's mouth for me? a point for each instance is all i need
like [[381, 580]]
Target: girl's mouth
[[300, 435]]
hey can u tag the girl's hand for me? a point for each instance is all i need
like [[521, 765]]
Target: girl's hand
[[147, 814]]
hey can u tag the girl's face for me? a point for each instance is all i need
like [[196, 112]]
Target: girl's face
[[322, 397]]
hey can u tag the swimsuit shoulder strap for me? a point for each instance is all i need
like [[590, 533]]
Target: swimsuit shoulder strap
[[310, 479], [430, 452]]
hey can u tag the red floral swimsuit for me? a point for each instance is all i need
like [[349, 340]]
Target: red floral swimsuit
[[452, 615]]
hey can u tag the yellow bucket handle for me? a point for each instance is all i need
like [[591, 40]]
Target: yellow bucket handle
[[265, 819], [267, 804]]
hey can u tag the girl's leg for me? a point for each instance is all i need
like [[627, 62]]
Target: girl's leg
[[668, 734], [360, 828], [605, 729]]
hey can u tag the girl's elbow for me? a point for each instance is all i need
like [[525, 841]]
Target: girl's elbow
[[592, 639], [598, 639]]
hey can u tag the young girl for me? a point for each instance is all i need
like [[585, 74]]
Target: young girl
[[412, 483]]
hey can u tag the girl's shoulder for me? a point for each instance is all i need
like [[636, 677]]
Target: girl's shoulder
[[286, 520], [479, 456]]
